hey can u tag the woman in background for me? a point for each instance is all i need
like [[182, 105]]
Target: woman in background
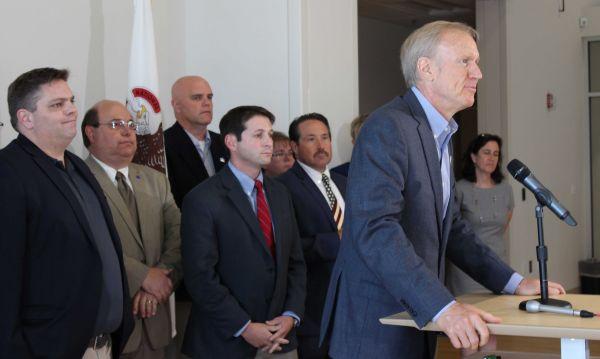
[[486, 201]]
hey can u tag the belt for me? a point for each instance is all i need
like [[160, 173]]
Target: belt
[[99, 341]]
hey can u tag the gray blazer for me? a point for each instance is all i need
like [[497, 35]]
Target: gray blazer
[[396, 240]]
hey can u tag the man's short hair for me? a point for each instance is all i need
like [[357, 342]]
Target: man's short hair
[[356, 124], [279, 137], [423, 42], [91, 118], [235, 119], [24, 92], [293, 131]]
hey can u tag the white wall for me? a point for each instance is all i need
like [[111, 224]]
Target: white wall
[[288, 56], [330, 67], [544, 53], [380, 75]]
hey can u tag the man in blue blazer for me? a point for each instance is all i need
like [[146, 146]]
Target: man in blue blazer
[[65, 292], [401, 219], [318, 196], [242, 255]]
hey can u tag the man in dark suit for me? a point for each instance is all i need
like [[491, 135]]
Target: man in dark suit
[[401, 219], [193, 152], [318, 197], [242, 255], [65, 289]]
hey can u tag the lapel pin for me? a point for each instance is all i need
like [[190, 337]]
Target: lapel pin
[[222, 159]]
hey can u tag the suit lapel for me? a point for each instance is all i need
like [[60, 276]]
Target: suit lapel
[[144, 202], [113, 195], [431, 156], [188, 152], [46, 167], [276, 208], [314, 192], [241, 203]]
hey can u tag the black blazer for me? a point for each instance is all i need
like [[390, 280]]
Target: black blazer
[[185, 165], [320, 240], [50, 269], [228, 269]]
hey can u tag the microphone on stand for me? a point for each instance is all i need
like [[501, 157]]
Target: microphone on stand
[[533, 306], [522, 174]]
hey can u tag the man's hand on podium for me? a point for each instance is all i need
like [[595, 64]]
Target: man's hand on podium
[[531, 286], [465, 325]]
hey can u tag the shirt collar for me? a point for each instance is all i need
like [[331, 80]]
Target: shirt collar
[[314, 175], [111, 172], [196, 141], [437, 122], [246, 181]]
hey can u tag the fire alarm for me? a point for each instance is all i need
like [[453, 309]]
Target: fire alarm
[[549, 101]]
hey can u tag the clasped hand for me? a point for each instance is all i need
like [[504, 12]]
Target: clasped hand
[[269, 336]]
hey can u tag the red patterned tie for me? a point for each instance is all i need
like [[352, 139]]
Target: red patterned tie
[[264, 217]]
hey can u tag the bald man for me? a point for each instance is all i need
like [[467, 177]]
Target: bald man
[[193, 152], [146, 219]]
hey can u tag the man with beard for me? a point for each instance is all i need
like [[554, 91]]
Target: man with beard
[[318, 200]]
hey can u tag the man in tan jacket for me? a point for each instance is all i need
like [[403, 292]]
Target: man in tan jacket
[[146, 219]]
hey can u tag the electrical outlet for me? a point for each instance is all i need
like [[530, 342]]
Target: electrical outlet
[[530, 266]]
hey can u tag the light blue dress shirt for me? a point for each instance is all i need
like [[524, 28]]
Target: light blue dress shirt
[[249, 189], [442, 133]]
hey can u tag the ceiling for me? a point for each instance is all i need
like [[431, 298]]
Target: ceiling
[[414, 13]]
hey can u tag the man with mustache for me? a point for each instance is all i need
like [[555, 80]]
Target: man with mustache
[[318, 200], [402, 219], [147, 220]]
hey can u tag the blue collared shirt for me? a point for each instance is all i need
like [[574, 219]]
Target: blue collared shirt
[[249, 189], [442, 133]]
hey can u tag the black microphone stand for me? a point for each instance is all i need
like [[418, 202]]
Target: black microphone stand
[[542, 257]]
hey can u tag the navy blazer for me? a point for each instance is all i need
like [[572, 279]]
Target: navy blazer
[[396, 239], [229, 271], [184, 164], [50, 268], [320, 240]]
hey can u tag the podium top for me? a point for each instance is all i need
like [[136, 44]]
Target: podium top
[[516, 322]]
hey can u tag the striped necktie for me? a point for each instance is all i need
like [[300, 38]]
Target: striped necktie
[[336, 210], [264, 217]]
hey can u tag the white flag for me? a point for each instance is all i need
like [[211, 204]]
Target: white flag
[[142, 98]]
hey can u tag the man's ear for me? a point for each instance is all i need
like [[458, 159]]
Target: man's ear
[[230, 142], [89, 132], [294, 147], [25, 119], [425, 69]]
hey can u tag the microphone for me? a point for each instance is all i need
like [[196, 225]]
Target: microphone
[[533, 306], [522, 174]]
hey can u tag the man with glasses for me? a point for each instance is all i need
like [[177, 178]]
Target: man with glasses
[[146, 218], [64, 287], [283, 156]]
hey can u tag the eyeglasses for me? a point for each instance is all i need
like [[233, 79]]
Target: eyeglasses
[[114, 124], [283, 154]]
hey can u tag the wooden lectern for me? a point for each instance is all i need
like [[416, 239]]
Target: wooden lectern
[[573, 331]]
